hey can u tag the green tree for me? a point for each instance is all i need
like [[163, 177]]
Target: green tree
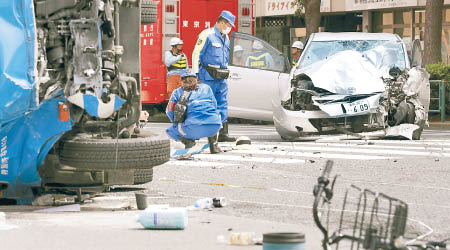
[[312, 14]]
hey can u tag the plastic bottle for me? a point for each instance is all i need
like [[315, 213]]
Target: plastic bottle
[[204, 203], [240, 238], [164, 218]]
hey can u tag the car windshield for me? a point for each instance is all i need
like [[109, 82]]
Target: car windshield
[[381, 53]]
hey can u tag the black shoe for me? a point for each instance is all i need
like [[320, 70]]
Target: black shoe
[[223, 134], [214, 145], [188, 143]]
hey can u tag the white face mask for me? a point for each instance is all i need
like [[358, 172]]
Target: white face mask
[[226, 31]]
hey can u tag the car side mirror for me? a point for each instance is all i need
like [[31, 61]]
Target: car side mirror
[[417, 55]]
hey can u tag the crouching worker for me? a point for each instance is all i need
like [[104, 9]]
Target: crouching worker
[[193, 112]]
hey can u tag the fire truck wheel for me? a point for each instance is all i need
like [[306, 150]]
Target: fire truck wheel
[[86, 152], [142, 176], [148, 11]]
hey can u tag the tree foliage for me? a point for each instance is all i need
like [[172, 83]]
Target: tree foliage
[[300, 5]]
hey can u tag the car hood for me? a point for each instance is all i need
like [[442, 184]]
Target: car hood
[[345, 73]]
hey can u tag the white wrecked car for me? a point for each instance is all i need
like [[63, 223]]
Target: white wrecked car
[[360, 84]]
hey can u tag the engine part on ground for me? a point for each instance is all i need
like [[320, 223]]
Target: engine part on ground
[[96, 153], [148, 11]]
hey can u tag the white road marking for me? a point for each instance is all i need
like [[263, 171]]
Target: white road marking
[[313, 155], [242, 158], [355, 149], [200, 163]]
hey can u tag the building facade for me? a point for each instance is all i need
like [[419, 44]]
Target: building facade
[[403, 17]]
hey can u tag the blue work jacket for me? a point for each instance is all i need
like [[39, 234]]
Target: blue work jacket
[[215, 51], [201, 107]]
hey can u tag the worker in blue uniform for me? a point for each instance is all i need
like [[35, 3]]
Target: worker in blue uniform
[[195, 103], [210, 62]]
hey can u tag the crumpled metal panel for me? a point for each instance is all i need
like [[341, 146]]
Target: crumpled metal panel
[[17, 59], [347, 72], [24, 143], [27, 130]]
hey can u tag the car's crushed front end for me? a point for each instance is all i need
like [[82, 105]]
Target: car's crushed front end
[[364, 92]]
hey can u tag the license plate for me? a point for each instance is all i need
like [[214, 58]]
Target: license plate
[[357, 107]]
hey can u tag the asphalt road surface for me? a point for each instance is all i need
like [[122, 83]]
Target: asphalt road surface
[[268, 187]]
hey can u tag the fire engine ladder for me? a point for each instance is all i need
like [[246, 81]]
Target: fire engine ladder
[[171, 22]]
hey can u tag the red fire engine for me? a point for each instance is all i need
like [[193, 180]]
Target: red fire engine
[[184, 19]]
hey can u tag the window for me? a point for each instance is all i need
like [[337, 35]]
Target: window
[[251, 52], [389, 53]]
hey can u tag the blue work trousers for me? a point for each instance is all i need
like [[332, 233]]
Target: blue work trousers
[[193, 131], [220, 90]]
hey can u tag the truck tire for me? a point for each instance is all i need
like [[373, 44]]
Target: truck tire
[[149, 11], [85, 152], [142, 176]]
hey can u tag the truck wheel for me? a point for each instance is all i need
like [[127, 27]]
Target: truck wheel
[[142, 176], [86, 152], [149, 11]]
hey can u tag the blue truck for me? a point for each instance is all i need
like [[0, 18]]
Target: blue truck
[[69, 98]]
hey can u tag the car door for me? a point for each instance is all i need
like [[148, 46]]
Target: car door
[[252, 88]]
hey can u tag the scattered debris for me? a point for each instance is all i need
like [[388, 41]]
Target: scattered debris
[[310, 161], [186, 154], [219, 202], [141, 201], [203, 203], [158, 217], [44, 200], [240, 238]]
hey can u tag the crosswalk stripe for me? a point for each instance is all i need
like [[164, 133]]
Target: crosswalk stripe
[[314, 155], [298, 145], [200, 163], [243, 158], [346, 149], [376, 146]]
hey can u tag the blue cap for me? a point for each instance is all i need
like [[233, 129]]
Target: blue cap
[[187, 73], [227, 15]]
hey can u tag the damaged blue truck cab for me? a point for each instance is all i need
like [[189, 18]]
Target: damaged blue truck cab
[[66, 103]]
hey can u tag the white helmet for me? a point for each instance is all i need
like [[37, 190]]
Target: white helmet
[[298, 45], [238, 48], [257, 45], [175, 41]]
